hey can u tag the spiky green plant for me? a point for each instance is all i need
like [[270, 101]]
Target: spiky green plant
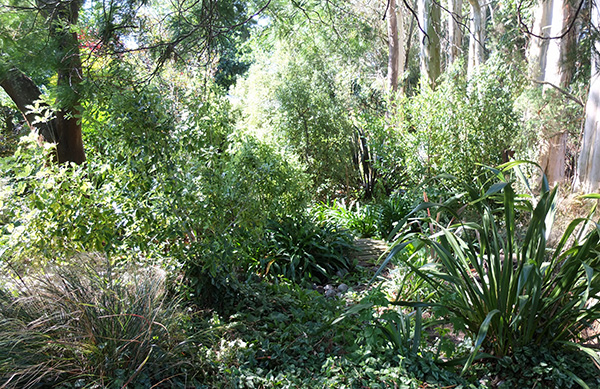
[[506, 284], [303, 249], [87, 327], [360, 220]]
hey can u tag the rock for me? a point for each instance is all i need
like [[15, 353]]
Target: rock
[[328, 287], [342, 288], [330, 293]]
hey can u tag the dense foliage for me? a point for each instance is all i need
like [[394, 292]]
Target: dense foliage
[[197, 193]]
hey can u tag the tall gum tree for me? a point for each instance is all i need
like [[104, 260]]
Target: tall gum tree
[[429, 34], [587, 178], [476, 37], [393, 46], [550, 44], [396, 44], [455, 35]]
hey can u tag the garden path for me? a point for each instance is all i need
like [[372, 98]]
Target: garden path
[[369, 251]]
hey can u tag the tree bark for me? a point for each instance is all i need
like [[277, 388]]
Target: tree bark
[[429, 21], [24, 93], [393, 46], [536, 52], [587, 178], [549, 66], [476, 38], [68, 119], [454, 32]]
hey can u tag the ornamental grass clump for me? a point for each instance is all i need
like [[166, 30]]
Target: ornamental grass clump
[[501, 279], [89, 328]]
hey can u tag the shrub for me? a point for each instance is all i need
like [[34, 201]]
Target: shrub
[[91, 327], [377, 219], [461, 124]]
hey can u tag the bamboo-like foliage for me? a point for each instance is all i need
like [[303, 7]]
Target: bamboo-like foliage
[[506, 284]]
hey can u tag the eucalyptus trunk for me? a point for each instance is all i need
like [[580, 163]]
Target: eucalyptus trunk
[[549, 48], [455, 35], [396, 44], [393, 46], [476, 37], [429, 21], [587, 178]]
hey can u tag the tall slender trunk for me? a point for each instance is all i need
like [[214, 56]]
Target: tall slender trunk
[[476, 37], [548, 64], [393, 46], [587, 178], [429, 21], [402, 35], [454, 32]]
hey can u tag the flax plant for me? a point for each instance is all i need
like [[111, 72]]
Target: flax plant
[[501, 279]]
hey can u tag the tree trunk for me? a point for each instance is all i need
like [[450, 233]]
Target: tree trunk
[[536, 53], [65, 129], [476, 38], [68, 118], [429, 21], [393, 46], [548, 63], [454, 32], [24, 93], [402, 44], [587, 178]]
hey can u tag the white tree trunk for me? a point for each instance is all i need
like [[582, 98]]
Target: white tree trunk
[[587, 179], [546, 58], [554, 145], [454, 31], [393, 46], [538, 48], [429, 21], [400, 15], [476, 38], [553, 71]]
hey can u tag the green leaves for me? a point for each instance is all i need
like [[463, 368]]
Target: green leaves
[[510, 289], [302, 249]]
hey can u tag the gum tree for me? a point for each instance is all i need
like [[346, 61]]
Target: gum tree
[[587, 178]]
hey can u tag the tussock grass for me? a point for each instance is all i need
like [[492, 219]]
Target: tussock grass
[[91, 327]]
